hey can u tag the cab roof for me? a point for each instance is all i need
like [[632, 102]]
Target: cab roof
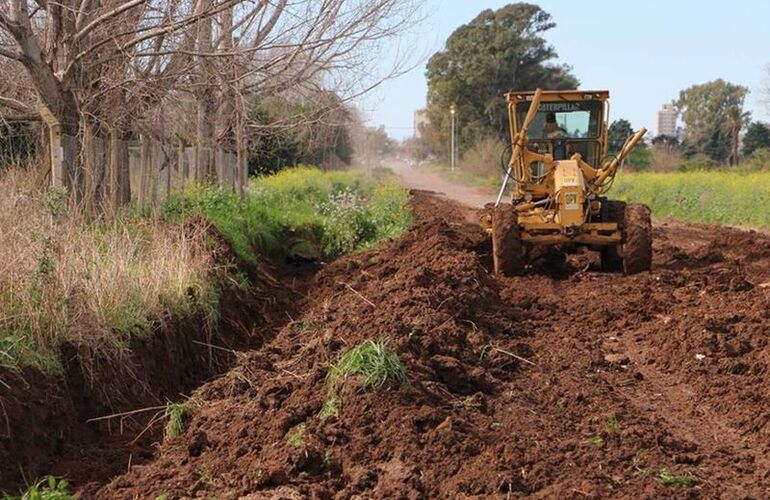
[[560, 95]]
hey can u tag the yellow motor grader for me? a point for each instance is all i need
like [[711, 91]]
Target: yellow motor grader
[[561, 170]]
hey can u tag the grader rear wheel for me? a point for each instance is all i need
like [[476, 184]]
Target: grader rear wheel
[[507, 250], [637, 239]]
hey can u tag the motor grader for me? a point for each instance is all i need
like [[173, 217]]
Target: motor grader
[[561, 170]]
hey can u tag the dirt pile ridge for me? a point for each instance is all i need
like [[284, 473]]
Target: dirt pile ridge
[[586, 386], [438, 308]]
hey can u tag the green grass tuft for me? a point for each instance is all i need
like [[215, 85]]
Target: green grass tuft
[[611, 425], [596, 440], [296, 435], [177, 415], [369, 360], [49, 488], [668, 478]]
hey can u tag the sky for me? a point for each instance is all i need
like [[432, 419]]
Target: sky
[[643, 52]]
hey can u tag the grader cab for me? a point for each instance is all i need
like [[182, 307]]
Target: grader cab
[[560, 171]]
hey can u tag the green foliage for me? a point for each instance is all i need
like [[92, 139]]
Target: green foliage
[[301, 212], [758, 160], [371, 361], [640, 158], [619, 131], [296, 435], [713, 115], [497, 52], [757, 137], [20, 348], [716, 197], [49, 488], [177, 415], [315, 131], [698, 162], [668, 478]]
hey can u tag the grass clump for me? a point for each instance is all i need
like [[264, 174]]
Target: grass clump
[[372, 362], [49, 488], [611, 425], [668, 478], [296, 435], [177, 415], [596, 440]]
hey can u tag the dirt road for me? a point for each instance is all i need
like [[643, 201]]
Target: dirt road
[[566, 382], [421, 179]]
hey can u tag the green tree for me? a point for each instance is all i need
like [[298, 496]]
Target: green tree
[[497, 52], [619, 131], [757, 136], [713, 116]]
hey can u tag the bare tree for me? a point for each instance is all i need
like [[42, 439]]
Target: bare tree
[[106, 70]]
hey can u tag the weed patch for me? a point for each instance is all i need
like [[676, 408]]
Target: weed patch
[[611, 425], [94, 284], [668, 478], [296, 436], [49, 488], [372, 362], [177, 415]]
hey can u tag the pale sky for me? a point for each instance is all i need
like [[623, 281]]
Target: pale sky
[[643, 52]]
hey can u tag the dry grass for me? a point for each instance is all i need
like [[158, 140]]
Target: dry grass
[[64, 279]]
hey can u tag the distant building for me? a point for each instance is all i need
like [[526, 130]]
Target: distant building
[[420, 120], [667, 121]]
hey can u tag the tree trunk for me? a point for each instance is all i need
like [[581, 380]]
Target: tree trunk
[[205, 124]]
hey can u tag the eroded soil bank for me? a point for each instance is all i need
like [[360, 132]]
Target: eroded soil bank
[[103, 415]]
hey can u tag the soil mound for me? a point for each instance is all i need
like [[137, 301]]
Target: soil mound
[[430, 299]]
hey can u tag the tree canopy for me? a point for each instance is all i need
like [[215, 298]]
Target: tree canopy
[[500, 50], [713, 116], [757, 137], [619, 131]]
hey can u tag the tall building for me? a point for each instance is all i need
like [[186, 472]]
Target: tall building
[[420, 120], [667, 121]]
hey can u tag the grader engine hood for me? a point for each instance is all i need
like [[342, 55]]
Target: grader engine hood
[[570, 189]]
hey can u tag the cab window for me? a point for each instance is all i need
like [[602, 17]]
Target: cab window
[[564, 119]]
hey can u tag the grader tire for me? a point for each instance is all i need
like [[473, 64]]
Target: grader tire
[[611, 257], [507, 249], [637, 240]]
